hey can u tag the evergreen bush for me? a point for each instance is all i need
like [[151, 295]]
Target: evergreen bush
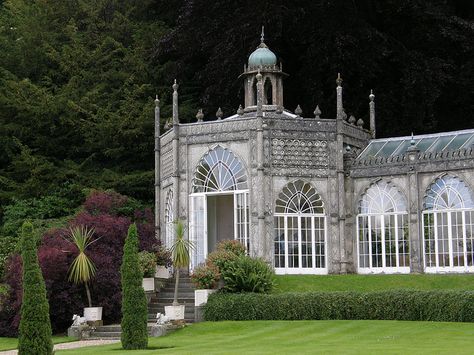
[[134, 303], [246, 274], [414, 305], [35, 326]]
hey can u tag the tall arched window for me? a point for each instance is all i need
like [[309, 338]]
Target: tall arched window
[[169, 219], [448, 226], [300, 230], [219, 170], [382, 224]]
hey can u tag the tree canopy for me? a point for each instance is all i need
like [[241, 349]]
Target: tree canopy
[[78, 77]]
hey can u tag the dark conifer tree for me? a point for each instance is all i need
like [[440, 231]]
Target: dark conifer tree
[[134, 303], [35, 325]]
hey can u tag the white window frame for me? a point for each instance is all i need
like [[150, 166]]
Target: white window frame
[[383, 269]]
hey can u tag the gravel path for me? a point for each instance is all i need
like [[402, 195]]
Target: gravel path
[[71, 345]]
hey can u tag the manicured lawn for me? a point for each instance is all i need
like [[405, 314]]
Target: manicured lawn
[[307, 337], [306, 283], [12, 343]]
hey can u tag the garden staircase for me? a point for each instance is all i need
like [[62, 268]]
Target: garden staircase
[[164, 297]]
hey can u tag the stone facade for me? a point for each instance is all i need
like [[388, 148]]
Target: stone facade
[[278, 151]]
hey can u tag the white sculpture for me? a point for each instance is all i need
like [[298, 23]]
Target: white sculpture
[[161, 319], [78, 320]]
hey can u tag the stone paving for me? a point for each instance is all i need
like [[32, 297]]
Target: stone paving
[[71, 345]]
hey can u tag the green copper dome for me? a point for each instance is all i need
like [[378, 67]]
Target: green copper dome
[[262, 56]]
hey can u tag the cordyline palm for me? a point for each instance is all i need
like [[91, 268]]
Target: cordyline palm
[[82, 269], [180, 254]]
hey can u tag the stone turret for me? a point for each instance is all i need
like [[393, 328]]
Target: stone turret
[[263, 60]]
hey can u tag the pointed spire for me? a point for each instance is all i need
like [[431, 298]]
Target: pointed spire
[[339, 79], [317, 112], [175, 103], [157, 101], [372, 113], [240, 110], [262, 36], [339, 107], [219, 114], [157, 119], [298, 111], [412, 141], [199, 115]]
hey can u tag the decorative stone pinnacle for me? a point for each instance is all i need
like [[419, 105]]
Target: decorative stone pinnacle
[[360, 123], [262, 36], [157, 101], [371, 96], [175, 85], [344, 114], [317, 112], [298, 111], [412, 141], [339, 79], [240, 110], [259, 76], [348, 148], [199, 115], [219, 114], [352, 119]]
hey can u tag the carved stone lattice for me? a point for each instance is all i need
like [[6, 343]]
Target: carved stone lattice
[[166, 164], [288, 153]]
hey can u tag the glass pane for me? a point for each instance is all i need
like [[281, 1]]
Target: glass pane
[[389, 148], [425, 143], [372, 148], [440, 143], [458, 141]]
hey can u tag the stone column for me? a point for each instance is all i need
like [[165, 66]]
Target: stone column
[[157, 171], [414, 205], [175, 144]]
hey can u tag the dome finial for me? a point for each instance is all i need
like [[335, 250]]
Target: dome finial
[[262, 36]]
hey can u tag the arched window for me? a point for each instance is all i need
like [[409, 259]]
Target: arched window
[[219, 170], [268, 92], [169, 219], [382, 224], [300, 230], [448, 226]]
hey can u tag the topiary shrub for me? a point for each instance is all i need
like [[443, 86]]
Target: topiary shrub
[[246, 274], [206, 276], [134, 303], [35, 326]]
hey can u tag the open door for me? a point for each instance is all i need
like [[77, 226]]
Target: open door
[[198, 229]]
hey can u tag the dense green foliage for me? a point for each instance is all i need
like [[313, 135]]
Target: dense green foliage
[[306, 337], [206, 276], [246, 274], [35, 326], [78, 78], [440, 306], [134, 303], [370, 283]]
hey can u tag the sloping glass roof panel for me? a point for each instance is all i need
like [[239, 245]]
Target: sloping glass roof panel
[[425, 143], [439, 142], [389, 148]]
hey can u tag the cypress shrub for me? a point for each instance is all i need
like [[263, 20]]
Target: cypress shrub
[[434, 305], [35, 326], [134, 303]]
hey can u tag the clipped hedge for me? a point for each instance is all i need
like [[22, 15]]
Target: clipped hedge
[[446, 306]]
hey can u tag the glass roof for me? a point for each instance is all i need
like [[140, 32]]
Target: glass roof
[[439, 142]]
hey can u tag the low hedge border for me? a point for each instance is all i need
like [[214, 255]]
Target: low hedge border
[[436, 305]]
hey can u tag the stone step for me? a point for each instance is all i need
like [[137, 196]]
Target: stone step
[[101, 335]]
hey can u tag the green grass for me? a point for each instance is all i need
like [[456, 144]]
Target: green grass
[[307, 283], [306, 337], [12, 343]]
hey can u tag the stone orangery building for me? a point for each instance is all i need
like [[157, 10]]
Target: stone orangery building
[[315, 195]]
